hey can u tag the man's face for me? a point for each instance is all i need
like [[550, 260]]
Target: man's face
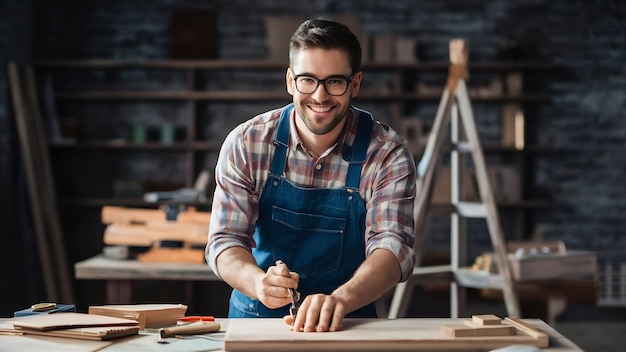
[[320, 111]]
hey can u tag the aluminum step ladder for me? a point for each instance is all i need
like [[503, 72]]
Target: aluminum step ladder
[[455, 111]]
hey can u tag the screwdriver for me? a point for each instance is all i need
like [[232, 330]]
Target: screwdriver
[[295, 296]]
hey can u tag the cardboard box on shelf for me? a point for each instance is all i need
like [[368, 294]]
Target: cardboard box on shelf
[[506, 183], [548, 260], [279, 30], [384, 48], [442, 190], [541, 260], [556, 265], [405, 50]]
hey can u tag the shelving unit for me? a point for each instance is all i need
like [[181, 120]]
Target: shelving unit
[[192, 91]]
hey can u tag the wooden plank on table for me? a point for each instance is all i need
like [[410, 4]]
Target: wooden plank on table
[[28, 150], [457, 330], [48, 194], [172, 255], [139, 235], [528, 329], [111, 214], [470, 328], [363, 335], [491, 330]]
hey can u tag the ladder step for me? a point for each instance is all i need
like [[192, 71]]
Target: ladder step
[[478, 279], [466, 277], [429, 274], [471, 209], [462, 147]]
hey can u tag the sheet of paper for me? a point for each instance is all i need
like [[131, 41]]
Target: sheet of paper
[[31, 343]]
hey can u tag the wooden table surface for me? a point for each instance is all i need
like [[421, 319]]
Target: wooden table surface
[[147, 340]]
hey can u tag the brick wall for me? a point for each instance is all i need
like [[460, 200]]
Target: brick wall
[[588, 98], [586, 38]]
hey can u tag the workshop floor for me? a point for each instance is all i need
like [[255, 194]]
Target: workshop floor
[[592, 336], [601, 329]]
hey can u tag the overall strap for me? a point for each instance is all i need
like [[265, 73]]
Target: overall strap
[[359, 148], [281, 142]]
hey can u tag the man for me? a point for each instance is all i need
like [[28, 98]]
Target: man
[[315, 196]]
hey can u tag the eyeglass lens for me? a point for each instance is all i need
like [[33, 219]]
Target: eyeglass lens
[[333, 86]]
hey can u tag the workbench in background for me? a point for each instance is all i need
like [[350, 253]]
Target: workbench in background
[[123, 279]]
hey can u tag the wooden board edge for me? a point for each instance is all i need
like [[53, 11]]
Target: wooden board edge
[[542, 338]]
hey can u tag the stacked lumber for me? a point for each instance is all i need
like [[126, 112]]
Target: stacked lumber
[[150, 228]]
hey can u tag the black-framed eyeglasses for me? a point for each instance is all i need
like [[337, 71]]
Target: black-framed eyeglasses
[[334, 85]]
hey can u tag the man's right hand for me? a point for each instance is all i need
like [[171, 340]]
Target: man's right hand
[[272, 289]]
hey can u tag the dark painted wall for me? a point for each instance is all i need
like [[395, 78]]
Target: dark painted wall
[[20, 268]]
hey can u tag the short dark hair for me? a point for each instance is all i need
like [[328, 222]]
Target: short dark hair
[[326, 34]]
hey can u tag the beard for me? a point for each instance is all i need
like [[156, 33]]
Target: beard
[[315, 124]]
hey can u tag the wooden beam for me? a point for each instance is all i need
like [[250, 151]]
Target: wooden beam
[[28, 150], [48, 194]]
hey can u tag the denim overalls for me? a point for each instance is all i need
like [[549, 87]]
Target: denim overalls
[[318, 233]]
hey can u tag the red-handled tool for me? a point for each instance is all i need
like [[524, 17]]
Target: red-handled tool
[[195, 318]]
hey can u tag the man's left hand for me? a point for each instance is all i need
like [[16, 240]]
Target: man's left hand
[[319, 313]]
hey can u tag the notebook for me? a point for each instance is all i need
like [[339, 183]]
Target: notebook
[[89, 333], [75, 325]]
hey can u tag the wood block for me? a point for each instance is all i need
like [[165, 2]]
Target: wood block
[[509, 130], [490, 330], [486, 319], [458, 52], [457, 330]]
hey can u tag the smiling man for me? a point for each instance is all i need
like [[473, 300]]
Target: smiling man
[[316, 196]]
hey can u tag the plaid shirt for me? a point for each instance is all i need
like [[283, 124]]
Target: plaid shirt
[[387, 184]]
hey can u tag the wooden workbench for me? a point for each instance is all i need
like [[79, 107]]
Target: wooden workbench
[[147, 340], [119, 274]]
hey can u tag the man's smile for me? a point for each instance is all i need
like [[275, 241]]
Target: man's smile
[[320, 108]]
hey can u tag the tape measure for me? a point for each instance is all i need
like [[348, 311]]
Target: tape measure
[[42, 307]]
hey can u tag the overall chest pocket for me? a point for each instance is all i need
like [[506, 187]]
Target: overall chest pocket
[[310, 244]]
